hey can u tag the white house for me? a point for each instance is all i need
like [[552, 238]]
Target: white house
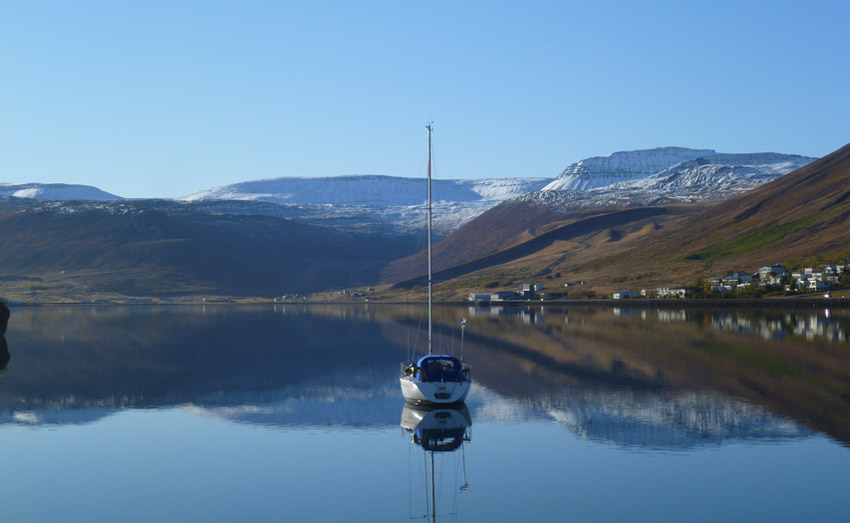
[[674, 292], [772, 275]]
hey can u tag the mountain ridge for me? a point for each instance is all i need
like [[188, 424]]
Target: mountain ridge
[[796, 216], [369, 189], [55, 191]]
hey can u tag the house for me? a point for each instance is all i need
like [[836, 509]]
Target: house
[[674, 292], [736, 278], [817, 285], [773, 275], [625, 295], [529, 290], [833, 273], [479, 298]]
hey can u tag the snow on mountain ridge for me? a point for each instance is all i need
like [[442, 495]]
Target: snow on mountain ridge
[[370, 190], [705, 178], [55, 191], [600, 171]]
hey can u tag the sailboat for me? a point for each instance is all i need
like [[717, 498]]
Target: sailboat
[[435, 379]]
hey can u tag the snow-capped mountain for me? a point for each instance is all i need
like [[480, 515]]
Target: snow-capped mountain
[[55, 191], [369, 201], [600, 171], [370, 190], [395, 204], [708, 177]]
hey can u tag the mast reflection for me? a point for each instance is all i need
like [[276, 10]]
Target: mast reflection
[[438, 430]]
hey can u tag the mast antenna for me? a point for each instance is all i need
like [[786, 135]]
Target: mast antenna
[[429, 126]]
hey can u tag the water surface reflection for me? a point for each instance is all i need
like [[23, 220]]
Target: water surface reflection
[[230, 413], [659, 379]]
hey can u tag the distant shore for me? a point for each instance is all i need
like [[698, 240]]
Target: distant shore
[[761, 303]]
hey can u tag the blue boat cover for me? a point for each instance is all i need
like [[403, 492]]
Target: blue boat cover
[[439, 368]]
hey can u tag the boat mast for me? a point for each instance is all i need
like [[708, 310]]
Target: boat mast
[[430, 288]]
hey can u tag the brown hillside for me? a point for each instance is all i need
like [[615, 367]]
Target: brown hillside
[[801, 215], [515, 229], [498, 228]]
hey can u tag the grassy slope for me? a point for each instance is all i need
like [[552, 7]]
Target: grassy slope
[[800, 215]]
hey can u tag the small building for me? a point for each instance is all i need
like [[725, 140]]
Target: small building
[[674, 292], [479, 297], [817, 285], [773, 275], [502, 295]]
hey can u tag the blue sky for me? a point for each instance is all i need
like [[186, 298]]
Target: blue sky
[[165, 98]]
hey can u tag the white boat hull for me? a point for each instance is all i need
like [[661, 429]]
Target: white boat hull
[[433, 392]]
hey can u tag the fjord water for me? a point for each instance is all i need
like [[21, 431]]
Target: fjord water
[[294, 413]]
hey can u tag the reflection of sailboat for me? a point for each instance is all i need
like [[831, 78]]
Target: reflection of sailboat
[[440, 429], [434, 379]]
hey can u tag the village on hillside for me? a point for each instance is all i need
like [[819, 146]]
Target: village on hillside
[[770, 280]]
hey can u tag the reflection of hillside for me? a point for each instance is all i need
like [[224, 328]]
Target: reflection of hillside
[[634, 379], [140, 357], [565, 353]]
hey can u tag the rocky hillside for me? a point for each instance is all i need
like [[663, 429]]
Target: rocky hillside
[[600, 171]]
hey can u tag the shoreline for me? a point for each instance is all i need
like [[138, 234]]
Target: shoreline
[[763, 303]]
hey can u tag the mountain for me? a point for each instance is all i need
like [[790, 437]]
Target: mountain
[[55, 191], [370, 190], [799, 215], [155, 248], [709, 177], [600, 171], [341, 231], [389, 202]]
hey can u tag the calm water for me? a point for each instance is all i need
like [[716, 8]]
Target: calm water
[[273, 413]]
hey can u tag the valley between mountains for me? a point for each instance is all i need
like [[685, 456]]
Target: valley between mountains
[[636, 219]]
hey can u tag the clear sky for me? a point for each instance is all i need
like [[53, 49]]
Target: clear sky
[[165, 98]]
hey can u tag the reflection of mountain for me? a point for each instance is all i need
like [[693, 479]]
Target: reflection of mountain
[[637, 375], [630, 379], [213, 357], [654, 420], [360, 407]]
